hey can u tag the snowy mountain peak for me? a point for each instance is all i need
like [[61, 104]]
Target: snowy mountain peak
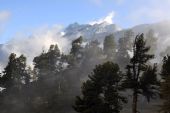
[[96, 31], [108, 19]]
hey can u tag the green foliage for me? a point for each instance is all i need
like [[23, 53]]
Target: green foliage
[[14, 72], [55, 80], [15, 80], [141, 78], [51, 84], [76, 52], [76, 46], [46, 62], [165, 85], [92, 49], [100, 94], [165, 91], [124, 46], [92, 56], [109, 47], [6, 80], [165, 72], [149, 83]]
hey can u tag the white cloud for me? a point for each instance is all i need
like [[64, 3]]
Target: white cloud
[[4, 16], [97, 2], [119, 2], [108, 19], [152, 11], [34, 44], [100, 2]]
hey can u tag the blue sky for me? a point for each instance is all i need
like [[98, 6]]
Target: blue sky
[[25, 15]]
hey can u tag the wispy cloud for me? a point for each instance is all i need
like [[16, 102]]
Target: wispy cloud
[[32, 45], [108, 19], [100, 2], [119, 1], [4, 16], [152, 11], [97, 2]]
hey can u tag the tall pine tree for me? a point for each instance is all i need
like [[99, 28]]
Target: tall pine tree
[[124, 47], [100, 94], [15, 78], [141, 78], [165, 85], [109, 47], [165, 72]]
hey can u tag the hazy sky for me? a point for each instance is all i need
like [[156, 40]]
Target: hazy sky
[[23, 16]]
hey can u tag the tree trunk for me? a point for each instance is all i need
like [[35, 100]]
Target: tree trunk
[[134, 104]]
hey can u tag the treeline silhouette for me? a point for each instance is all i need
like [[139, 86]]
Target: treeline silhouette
[[56, 78]]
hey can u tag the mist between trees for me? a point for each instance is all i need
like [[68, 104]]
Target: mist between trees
[[124, 75]]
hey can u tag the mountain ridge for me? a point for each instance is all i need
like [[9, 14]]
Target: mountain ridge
[[89, 33]]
